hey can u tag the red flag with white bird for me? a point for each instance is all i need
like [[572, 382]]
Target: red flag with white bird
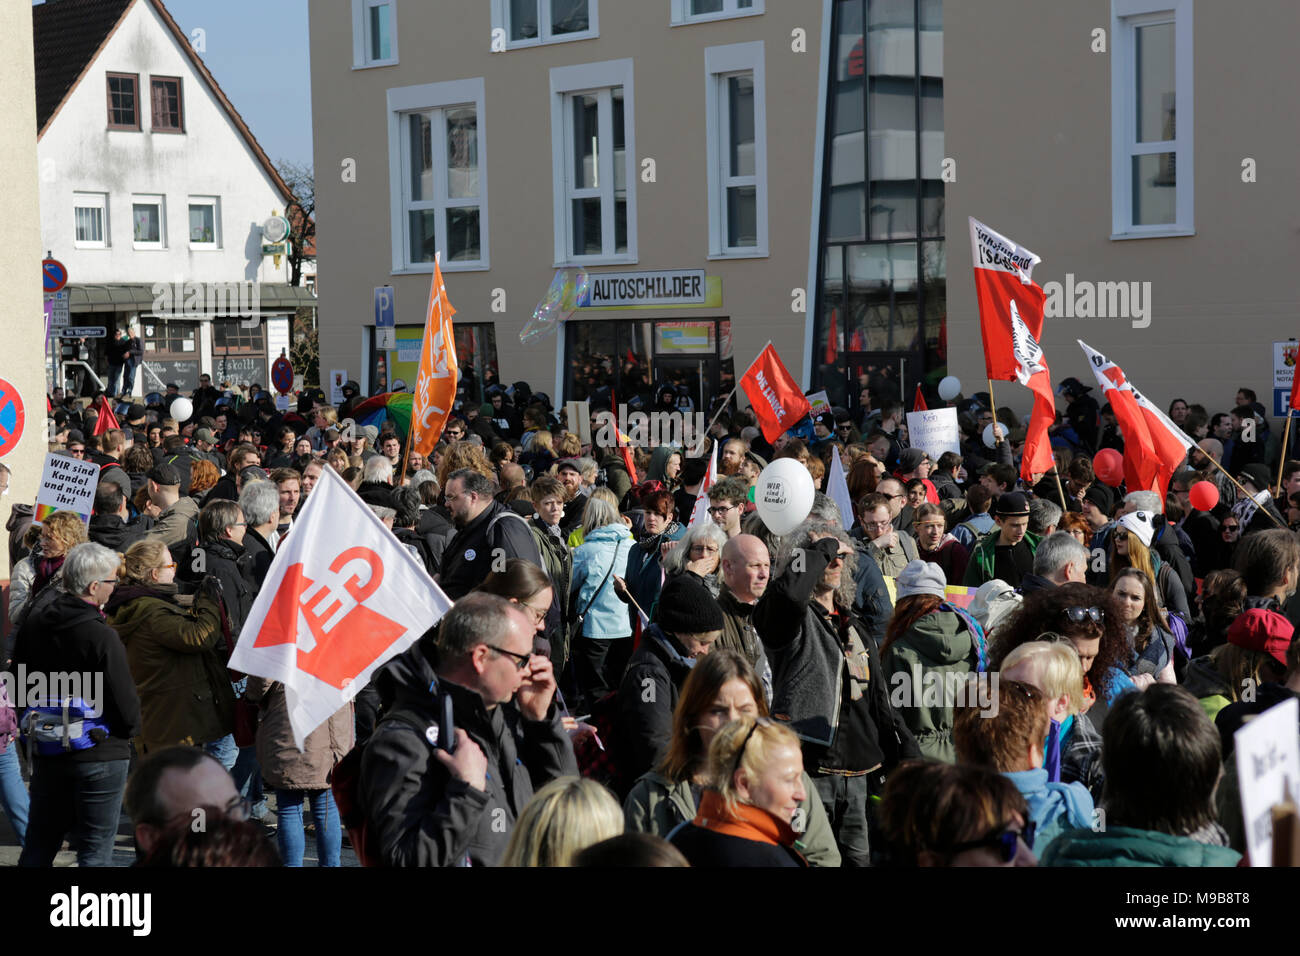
[[1033, 373], [1002, 279], [341, 597], [1145, 467]]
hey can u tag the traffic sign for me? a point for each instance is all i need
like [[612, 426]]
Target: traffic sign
[[385, 319], [83, 332], [54, 275], [60, 313], [282, 375], [11, 417]]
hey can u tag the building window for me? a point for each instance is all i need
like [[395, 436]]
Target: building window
[[90, 220], [205, 222], [439, 178], [1151, 118], [124, 101], [374, 33], [148, 222], [530, 22], [594, 159], [165, 94], [701, 11], [737, 150]]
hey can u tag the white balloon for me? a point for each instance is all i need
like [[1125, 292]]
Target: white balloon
[[988, 434], [950, 388], [783, 495], [182, 409]]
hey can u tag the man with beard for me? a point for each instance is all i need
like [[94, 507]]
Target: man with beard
[[487, 533]]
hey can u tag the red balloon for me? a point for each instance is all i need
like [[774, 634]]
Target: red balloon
[[1108, 465], [1204, 495]]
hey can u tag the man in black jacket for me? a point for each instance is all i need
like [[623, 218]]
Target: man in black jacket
[[488, 534], [827, 681], [428, 807], [222, 527], [108, 525]]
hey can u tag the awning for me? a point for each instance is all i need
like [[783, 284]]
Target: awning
[[273, 298]]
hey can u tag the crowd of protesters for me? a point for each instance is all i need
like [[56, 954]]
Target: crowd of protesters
[[967, 669]]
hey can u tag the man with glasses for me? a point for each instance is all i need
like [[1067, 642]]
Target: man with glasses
[[727, 504], [75, 444], [900, 512], [826, 682], [888, 547], [488, 533], [455, 430], [428, 806]]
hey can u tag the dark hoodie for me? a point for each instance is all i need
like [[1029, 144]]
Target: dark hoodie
[[114, 533], [70, 636]]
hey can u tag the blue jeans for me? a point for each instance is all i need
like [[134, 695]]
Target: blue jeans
[[248, 777], [224, 750], [81, 798], [13, 792], [289, 832]]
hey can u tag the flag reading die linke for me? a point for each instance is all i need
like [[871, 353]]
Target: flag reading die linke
[[341, 597], [1002, 276], [777, 400]]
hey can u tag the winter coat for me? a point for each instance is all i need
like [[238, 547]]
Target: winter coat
[[416, 813], [115, 534], [1204, 682], [647, 697], [69, 636], [945, 486], [927, 667], [183, 685], [739, 635], [1081, 755], [231, 567], [980, 567], [20, 519], [284, 767], [656, 805], [1056, 808], [1127, 846], [469, 558], [716, 838], [557, 559], [617, 479], [173, 525], [605, 550], [437, 532]]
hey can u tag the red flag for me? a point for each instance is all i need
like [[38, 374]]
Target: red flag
[[1295, 388], [623, 440], [918, 403], [831, 341], [777, 399], [106, 419], [1171, 443], [1034, 374], [1142, 466], [1002, 270]]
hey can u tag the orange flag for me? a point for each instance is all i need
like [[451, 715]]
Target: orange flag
[[435, 386]]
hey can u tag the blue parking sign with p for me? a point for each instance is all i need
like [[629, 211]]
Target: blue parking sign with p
[[385, 311]]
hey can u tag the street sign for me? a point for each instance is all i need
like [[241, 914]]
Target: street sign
[[83, 332], [11, 417], [282, 375], [385, 319], [54, 275], [60, 313]]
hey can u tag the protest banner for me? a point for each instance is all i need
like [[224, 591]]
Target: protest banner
[[1268, 764], [67, 484], [934, 431]]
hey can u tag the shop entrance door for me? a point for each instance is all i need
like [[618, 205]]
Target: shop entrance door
[[886, 374], [696, 379]]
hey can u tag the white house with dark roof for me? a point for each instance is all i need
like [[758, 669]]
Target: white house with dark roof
[[157, 197]]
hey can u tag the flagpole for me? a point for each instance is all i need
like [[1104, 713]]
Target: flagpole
[[721, 409], [1059, 490], [1281, 464], [993, 407], [1244, 491]]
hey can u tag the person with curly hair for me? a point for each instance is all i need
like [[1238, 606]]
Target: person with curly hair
[[203, 475], [464, 454]]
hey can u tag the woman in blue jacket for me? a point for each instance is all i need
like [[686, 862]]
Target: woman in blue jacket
[[600, 650]]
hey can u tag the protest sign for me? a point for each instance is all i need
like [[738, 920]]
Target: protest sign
[[934, 431], [1268, 761], [67, 484]]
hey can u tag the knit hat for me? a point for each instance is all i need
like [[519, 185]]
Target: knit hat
[[1100, 496], [910, 459], [165, 475], [826, 420], [1138, 523], [1011, 505], [921, 577], [1262, 630], [687, 607]]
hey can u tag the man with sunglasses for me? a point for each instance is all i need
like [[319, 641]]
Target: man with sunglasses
[[428, 806]]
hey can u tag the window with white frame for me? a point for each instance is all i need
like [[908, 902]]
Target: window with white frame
[[90, 220], [701, 11], [737, 149], [1151, 118], [205, 222], [374, 33], [148, 222], [439, 177], [531, 22], [593, 156]]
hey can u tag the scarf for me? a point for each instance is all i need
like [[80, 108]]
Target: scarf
[[46, 568], [977, 632], [748, 822], [1056, 733]]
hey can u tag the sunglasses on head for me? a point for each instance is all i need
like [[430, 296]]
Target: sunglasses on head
[[1077, 615], [1005, 842]]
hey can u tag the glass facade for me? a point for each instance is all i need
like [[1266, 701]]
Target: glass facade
[[881, 294]]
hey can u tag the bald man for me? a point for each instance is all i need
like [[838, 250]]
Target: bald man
[[746, 570]]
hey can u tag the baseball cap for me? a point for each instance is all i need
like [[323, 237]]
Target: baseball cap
[[1258, 629], [165, 475], [204, 434]]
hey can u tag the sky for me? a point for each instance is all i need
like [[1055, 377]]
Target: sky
[[258, 51]]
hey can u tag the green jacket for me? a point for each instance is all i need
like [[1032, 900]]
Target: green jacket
[[1126, 846], [980, 567], [925, 668], [657, 805]]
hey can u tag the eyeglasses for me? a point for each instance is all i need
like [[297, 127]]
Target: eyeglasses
[[1231, 527], [1076, 615], [164, 567], [1004, 841], [76, 451], [722, 509], [703, 549], [521, 660], [240, 808], [539, 613]]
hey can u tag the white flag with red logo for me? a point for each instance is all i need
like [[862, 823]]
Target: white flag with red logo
[[1033, 373], [341, 597], [701, 510], [1002, 281]]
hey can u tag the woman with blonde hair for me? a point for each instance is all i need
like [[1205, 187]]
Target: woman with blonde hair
[[600, 650], [174, 653], [59, 533], [563, 818], [746, 818]]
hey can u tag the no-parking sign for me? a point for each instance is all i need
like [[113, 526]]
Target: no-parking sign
[[11, 417]]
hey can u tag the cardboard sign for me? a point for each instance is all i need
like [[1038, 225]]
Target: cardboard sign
[[338, 378], [934, 431], [1268, 760], [67, 484], [820, 402]]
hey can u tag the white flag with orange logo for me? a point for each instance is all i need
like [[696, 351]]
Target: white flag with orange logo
[[341, 597], [435, 386]]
